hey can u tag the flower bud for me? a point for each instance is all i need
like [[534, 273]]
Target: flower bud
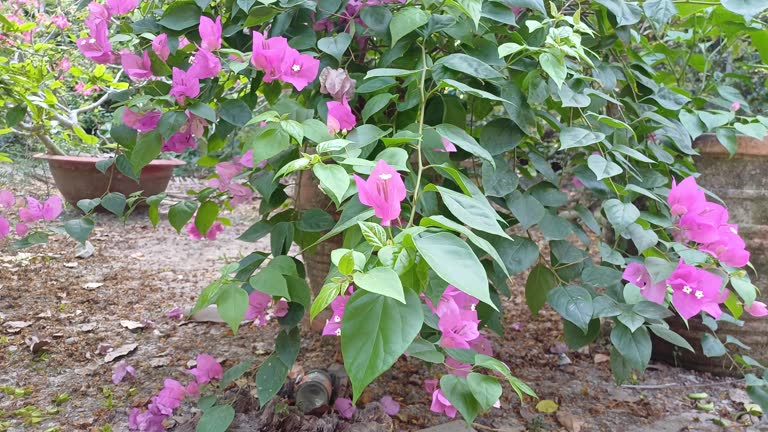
[[337, 83]]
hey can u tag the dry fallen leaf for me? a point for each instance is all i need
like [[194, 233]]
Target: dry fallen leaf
[[547, 406], [17, 324], [569, 421], [70, 265], [36, 345], [92, 285], [86, 327], [601, 358], [84, 250], [131, 325], [120, 351]]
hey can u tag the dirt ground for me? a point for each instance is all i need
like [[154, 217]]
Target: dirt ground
[[138, 273]]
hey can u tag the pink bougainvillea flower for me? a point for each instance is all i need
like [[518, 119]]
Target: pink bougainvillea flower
[[5, 227], [482, 345], [175, 313], [227, 171], [137, 68], [268, 55], [160, 46], [184, 85], [693, 289], [448, 147], [713, 307], [179, 141], [207, 369], [685, 197], [34, 211], [458, 368], [729, 247], [440, 404], [757, 309], [299, 69], [247, 159], [638, 275], [577, 183], [7, 200], [97, 47], [391, 407], [141, 122], [333, 325], [240, 194], [345, 408], [98, 15], [169, 398], [703, 224], [148, 421], [258, 302], [384, 191], [52, 208], [340, 116], [204, 65], [121, 7], [60, 21], [210, 33], [120, 370], [458, 326], [213, 232], [21, 229], [281, 308], [192, 389], [64, 65], [735, 106]]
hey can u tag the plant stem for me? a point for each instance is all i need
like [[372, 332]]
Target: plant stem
[[422, 108]]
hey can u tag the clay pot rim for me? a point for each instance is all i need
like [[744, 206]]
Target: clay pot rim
[[708, 143], [93, 160]]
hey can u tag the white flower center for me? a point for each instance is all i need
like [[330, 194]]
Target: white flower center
[[385, 176], [92, 41], [687, 289], [699, 294], [472, 306], [336, 318], [338, 332], [296, 68]]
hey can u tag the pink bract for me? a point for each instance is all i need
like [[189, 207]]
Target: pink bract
[[340, 116], [638, 275], [207, 369], [384, 190], [160, 46], [184, 85], [694, 290], [210, 33]]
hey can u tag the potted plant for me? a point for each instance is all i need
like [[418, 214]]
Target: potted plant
[[440, 163], [37, 80]]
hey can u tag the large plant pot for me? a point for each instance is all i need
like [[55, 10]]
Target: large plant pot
[[77, 177], [741, 182]]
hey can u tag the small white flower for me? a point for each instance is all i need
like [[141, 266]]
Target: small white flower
[[296, 68], [385, 176], [338, 332], [699, 294], [336, 318], [687, 289]]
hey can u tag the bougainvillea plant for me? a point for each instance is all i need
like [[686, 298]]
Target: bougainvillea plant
[[442, 134]]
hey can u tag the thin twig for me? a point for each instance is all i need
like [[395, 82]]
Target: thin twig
[[670, 385]]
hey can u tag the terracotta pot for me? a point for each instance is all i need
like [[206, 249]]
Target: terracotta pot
[[77, 177], [741, 182]]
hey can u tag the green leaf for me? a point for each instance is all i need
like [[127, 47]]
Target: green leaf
[[518, 253], [346, 264], [457, 391], [464, 141], [374, 234], [754, 130], [206, 216], [575, 338], [232, 303], [235, 111], [620, 215], [405, 21], [147, 148], [485, 245], [15, 115], [469, 65], [235, 372], [79, 229], [335, 46], [170, 123], [114, 202], [660, 11], [486, 389], [216, 419], [453, 260], [271, 374], [473, 212], [324, 298], [499, 181], [727, 138], [381, 280], [626, 13], [270, 281], [472, 8], [634, 347], [388, 72], [180, 16], [375, 332], [540, 281], [554, 66], [574, 303], [376, 18], [602, 167], [745, 289], [104, 164], [746, 8], [203, 110], [334, 180], [711, 346], [571, 137], [87, 205], [526, 209], [180, 213], [671, 337], [424, 350], [376, 104]]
